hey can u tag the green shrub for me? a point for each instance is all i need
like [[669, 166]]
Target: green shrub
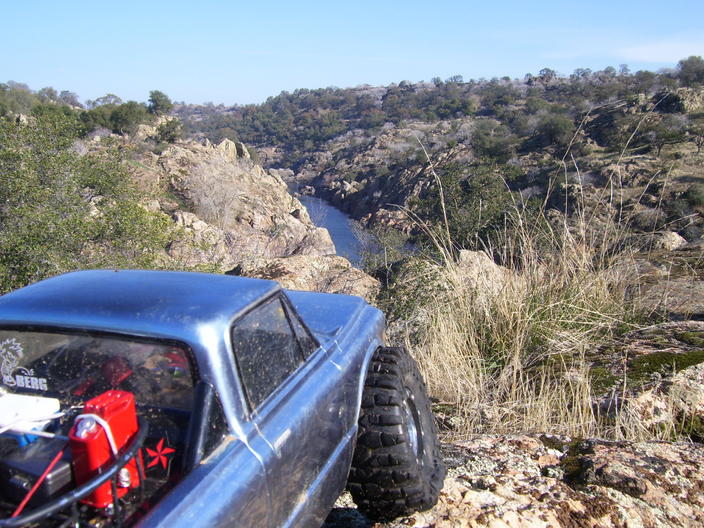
[[169, 131], [63, 211], [476, 199]]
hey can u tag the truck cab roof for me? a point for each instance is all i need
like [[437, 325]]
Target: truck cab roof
[[150, 303]]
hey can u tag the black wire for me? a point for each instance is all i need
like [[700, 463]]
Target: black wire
[[115, 502], [142, 476]]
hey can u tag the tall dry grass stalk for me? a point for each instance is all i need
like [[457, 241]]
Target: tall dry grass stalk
[[505, 348]]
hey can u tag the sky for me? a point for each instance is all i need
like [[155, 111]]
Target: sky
[[236, 52]]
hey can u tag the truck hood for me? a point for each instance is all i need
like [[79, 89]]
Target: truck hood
[[327, 315]]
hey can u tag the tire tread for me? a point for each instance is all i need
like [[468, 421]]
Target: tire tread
[[386, 479]]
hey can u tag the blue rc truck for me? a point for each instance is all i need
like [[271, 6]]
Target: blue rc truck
[[186, 399]]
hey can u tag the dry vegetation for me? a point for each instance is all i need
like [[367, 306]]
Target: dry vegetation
[[504, 351], [511, 357]]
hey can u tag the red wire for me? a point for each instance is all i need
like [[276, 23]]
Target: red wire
[[39, 481]]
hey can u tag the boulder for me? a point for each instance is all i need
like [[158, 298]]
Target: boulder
[[667, 240], [329, 274], [233, 149], [228, 148], [659, 240], [638, 269], [690, 100], [481, 272], [679, 299], [144, 132], [242, 151]]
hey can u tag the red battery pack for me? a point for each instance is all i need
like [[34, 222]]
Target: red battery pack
[[91, 450]]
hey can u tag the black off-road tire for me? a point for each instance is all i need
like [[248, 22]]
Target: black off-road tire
[[396, 468]]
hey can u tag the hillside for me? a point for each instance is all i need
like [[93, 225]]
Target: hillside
[[73, 200], [369, 150]]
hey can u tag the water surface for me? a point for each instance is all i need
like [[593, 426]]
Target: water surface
[[338, 224]]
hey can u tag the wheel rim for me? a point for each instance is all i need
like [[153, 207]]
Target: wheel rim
[[413, 426]]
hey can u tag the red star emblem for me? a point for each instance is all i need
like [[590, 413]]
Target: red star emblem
[[160, 454]]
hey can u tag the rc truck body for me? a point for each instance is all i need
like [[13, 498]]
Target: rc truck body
[[187, 399]]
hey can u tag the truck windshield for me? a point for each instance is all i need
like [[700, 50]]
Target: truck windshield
[[76, 368]]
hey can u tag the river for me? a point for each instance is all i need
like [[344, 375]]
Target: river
[[338, 224]]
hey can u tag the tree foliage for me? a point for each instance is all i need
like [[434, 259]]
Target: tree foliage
[[555, 129], [62, 211], [690, 71], [476, 199], [108, 99], [695, 131], [169, 131], [494, 140], [159, 103], [125, 118]]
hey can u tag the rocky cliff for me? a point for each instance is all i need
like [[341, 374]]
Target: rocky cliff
[[378, 177], [229, 208], [233, 216]]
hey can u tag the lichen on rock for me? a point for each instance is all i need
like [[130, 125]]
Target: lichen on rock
[[525, 482], [329, 274]]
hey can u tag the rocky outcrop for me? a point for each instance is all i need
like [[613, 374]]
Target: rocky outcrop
[[236, 209], [481, 272], [233, 149], [145, 132], [375, 179], [330, 274], [654, 377], [687, 99], [674, 405], [668, 276], [661, 240], [201, 246], [531, 482], [677, 298]]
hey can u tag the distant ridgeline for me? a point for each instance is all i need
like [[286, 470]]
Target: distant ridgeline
[[547, 106], [491, 143]]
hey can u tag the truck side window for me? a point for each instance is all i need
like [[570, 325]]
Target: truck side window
[[266, 350], [306, 340]]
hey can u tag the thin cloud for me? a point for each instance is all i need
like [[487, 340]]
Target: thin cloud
[[663, 51]]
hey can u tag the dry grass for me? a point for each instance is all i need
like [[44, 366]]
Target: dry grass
[[508, 352], [505, 350]]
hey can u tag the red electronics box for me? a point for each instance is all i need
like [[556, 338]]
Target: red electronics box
[[91, 450]]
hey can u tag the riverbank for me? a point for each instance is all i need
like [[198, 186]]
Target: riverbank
[[341, 227]]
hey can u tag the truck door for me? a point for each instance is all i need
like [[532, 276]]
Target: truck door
[[292, 393]]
